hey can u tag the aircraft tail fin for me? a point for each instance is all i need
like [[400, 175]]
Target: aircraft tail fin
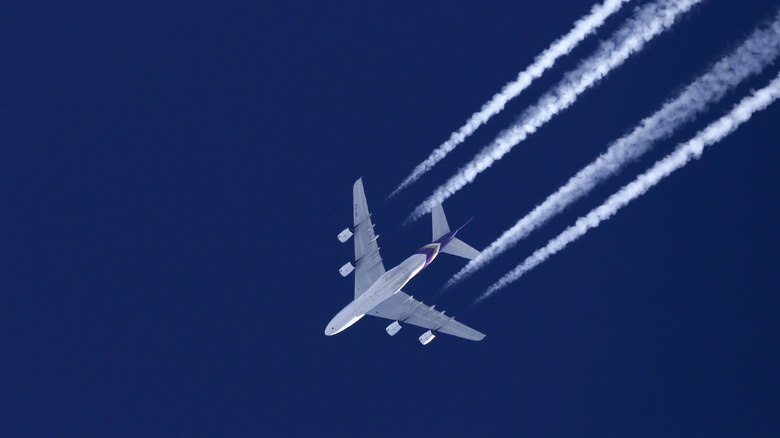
[[440, 226], [456, 246], [460, 248]]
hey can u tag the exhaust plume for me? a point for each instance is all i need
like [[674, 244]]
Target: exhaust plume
[[648, 22], [663, 168], [582, 28], [760, 49]]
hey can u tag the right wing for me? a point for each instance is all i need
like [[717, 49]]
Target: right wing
[[368, 262], [401, 307]]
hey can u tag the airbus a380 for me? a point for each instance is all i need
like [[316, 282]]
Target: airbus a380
[[378, 292]]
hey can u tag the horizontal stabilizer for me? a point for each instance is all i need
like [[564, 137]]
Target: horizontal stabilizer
[[460, 248], [440, 226]]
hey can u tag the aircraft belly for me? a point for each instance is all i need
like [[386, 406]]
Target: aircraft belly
[[345, 318], [385, 286], [413, 265]]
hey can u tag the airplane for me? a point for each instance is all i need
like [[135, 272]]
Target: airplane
[[378, 292]]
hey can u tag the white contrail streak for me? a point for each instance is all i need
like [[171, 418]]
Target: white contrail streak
[[649, 21], [759, 50], [677, 159], [582, 28]]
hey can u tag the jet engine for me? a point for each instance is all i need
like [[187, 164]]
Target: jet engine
[[427, 337], [393, 328], [346, 269], [345, 235]]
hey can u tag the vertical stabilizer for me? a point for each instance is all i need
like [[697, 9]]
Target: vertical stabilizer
[[440, 226]]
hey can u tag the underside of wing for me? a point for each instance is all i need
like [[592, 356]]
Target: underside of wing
[[404, 308], [368, 262]]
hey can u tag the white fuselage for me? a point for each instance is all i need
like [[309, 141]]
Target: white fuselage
[[383, 288]]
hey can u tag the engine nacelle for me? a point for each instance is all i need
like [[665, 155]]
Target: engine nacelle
[[346, 269], [427, 337], [393, 328], [345, 235]]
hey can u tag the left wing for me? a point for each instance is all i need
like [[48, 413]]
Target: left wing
[[401, 307], [368, 262]]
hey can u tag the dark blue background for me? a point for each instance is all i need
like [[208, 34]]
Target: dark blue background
[[174, 176]]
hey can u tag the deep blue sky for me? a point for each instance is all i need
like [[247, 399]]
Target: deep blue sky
[[174, 177]]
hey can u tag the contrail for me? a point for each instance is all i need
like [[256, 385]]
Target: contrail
[[648, 22], [677, 159], [760, 49], [582, 28]]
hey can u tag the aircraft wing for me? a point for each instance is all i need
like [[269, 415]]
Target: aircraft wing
[[402, 307], [368, 265]]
